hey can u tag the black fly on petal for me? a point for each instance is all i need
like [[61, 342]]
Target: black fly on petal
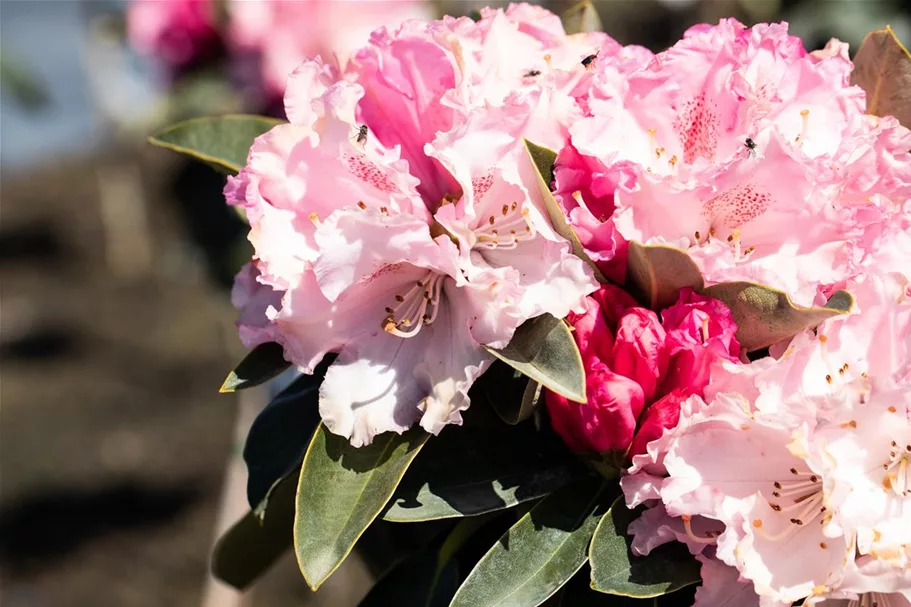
[[362, 134]]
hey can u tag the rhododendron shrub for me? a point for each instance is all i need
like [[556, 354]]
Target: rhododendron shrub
[[648, 312]]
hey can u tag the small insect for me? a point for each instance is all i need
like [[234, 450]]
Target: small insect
[[532, 73], [752, 149], [362, 134], [587, 62]]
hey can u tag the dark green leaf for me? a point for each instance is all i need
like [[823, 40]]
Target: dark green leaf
[[543, 160], [222, 142], [578, 593], [882, 68], [341, 491], [543, 349], [512, 395], [655, 274], [417, 581], [279, 437], [765, 316], [582, 18], [841, 301], [539, 553], [251, 546], [427, 578], [264, 362], [532, 396], [472, 470], [616, 570]]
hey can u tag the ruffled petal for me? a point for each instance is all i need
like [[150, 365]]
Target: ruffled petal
[[359, 246], [371, 388]]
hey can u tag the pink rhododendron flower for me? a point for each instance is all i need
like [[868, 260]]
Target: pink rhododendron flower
[[873, 340], [874, 582], [639, 369], [254, 300], [721, 583], [403, 230], [863, 449], [739, 147], [280, 34], [178, 32], [798, 494]]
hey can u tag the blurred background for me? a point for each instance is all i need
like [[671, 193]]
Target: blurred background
[[119, 459]]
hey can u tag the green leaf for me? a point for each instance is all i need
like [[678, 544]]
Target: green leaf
[[543, 349], [582, 18], [264, 362], [341, 490], [427, 578], [251, 546], [279, 437], [222, 142], [543, 160], [616, 570], [765, 316], [539, 554], [655, 274], [882, 68], [578, 593], [472, 470], [531, 397], [416, 581], [512, 395]]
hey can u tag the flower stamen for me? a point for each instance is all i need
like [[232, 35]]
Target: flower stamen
[[804, 491], [505, 230], [898, 471], [417, 307], [805, 124], [687, 526], [870, 599]]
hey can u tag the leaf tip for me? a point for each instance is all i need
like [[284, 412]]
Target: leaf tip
[[230, 384], [313, 586], [841, 301], [578, 396]]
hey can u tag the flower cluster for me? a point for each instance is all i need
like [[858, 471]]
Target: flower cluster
[[397, 217], [398, 223]]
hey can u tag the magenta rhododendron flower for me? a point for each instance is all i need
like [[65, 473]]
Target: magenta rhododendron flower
[[178, 32], [398, 214], [640, 369]]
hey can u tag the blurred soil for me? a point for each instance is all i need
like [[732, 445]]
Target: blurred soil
[[113, 438]]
